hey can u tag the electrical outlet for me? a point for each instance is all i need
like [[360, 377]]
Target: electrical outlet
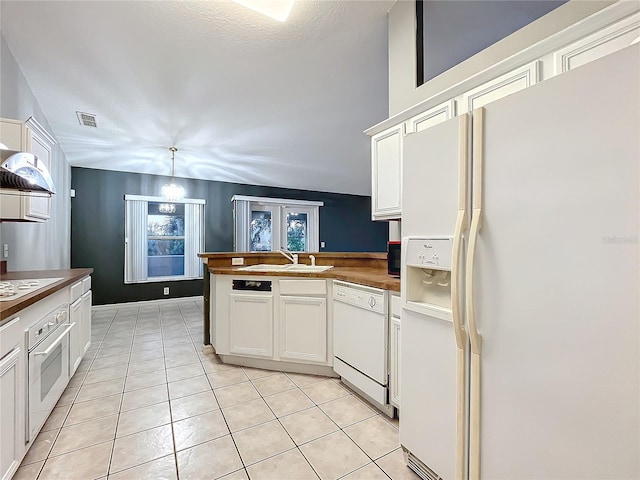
[[321, 244], [237, 261], [166, 290], [5, 250]]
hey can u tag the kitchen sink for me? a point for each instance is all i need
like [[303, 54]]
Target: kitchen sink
[[291, 267]]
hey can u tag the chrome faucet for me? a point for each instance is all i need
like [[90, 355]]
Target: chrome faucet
[[292, 257]]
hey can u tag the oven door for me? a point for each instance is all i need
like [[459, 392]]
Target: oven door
[[48, 376]]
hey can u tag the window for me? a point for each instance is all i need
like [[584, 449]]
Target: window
[[162, 240], [165, 240], [269, 224]]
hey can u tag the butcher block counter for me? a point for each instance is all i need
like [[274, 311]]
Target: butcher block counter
[[67, 277]]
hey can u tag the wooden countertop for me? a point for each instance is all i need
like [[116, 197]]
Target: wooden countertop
[[68, 277], [371, 277]]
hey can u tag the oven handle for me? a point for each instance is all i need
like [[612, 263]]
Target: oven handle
[[58, 340]]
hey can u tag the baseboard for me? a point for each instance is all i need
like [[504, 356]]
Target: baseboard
[[151, 302]]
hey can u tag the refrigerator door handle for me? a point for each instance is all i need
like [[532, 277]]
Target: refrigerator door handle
[[474, 335], [476, 223], [460, 333], [461, 224]]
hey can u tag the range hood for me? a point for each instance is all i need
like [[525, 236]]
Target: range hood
[[24, 171]]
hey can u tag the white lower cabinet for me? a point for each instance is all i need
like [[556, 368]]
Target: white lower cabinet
[[12, 398], [303, 329], [394, 350], [80, 314], [288, 322], [394, 371], [85, 326], [75, 336], [251, 325]]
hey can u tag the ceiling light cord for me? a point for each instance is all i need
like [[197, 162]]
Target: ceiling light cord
[[171, 191], [173, 161]]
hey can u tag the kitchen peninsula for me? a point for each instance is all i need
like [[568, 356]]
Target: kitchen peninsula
[[332, 314], [368, 269]]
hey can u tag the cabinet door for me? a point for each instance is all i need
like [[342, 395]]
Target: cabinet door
[[12, 413], [251, 325], [13, 134], [431, 117], [386, 173], [41, 145], [303, 329], [507, 84], [394, 374], [85, 326], [75, 342]]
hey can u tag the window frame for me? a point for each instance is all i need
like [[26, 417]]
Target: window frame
[[131, 277], [243, 205]]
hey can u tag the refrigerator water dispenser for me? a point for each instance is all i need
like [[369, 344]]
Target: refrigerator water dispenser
[[427, 272]]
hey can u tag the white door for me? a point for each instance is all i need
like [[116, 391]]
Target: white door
[[251, 325], [394, 362], [85, 327], [557, 278], [386, 173], [76, 342], [303, 329], [11, 407], [360, 339], [41, 145], [432, 423]]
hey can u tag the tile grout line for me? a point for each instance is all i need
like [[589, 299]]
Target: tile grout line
[[202, 357], [244, 467]]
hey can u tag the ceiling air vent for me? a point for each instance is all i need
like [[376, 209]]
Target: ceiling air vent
[[87, 119]]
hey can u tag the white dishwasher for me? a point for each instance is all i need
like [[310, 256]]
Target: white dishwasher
[[360, 333]]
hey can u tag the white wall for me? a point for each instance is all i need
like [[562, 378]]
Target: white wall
[[402, 50], [42, 246]]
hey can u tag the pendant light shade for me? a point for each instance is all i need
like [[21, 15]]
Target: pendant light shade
[[172, 191]]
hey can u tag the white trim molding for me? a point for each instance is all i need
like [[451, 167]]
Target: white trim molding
[[271, 201]]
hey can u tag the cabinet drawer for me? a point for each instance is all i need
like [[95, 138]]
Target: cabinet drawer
[[396, 306], [75, 292], [86, 284], [11, 335], [303, 287]]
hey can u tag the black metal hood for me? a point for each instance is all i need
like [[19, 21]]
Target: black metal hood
[[24, 171]]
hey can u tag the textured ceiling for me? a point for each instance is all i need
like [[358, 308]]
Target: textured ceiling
[[245, 98]]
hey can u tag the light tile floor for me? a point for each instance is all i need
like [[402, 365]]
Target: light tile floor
[[146, 403]]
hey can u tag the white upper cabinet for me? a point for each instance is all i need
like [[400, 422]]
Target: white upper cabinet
[[41, 145], [590, 48], [432, 117], [500, 87], [30, 137], [13, 134], [386, 160], [605, 32], [386, 171]]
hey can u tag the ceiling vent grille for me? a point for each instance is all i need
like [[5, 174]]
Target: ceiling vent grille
[[87, 119]]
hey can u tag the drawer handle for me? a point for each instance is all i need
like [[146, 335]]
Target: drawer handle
[[58, 340]]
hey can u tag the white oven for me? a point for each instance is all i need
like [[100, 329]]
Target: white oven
[[48, 342]]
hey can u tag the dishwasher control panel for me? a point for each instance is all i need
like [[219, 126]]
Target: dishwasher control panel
[[369, 298]]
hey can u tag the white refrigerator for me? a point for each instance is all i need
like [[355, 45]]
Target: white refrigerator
[[520, 283]]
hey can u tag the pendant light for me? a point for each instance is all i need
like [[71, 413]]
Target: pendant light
[[171, 191]]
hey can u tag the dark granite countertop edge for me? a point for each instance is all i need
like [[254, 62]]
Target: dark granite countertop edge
[[68, 276]]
